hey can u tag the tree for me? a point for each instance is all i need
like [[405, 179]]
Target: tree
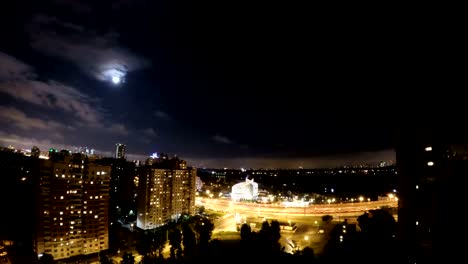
[[201, 209], [307, 255], [204, 228], [327, 218], [188, 240], [47, 259], [175, 240], [371, 245], [245, 232], [268, 239], [104, 259], [128, 258]]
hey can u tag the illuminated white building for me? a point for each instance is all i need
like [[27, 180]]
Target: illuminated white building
[[247, 190]]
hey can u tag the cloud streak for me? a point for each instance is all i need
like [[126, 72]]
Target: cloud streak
[[162, 115], [221, 139], [150, 132], [20, 120]]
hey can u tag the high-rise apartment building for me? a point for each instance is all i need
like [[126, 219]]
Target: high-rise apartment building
[[166, 190], [120, 151], [431, 165], [72, 206], [122, 187]]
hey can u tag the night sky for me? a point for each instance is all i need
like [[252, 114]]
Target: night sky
[[218, 84]]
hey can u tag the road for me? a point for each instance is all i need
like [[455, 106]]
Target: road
[[230, 206], [310, 231]]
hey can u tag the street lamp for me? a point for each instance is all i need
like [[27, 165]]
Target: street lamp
[[361, 198]]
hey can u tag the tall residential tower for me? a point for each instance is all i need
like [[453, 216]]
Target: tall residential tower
[[166, 191], [120, 151], [72, 206]]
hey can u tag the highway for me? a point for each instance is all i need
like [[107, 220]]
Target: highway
[[229, 206], [310, 229]]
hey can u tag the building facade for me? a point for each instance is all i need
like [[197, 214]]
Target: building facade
[[72, 206], [247, 190], [166, 190], [431, 166]]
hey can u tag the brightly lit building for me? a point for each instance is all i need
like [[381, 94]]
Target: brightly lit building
[[247, 190], [166, 190], [119, 151], [72, 206]]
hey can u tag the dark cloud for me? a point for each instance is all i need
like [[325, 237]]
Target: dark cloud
[[150, 132], [118, 129], [19, 81], [77, 6], [162, 115], [95, 53]]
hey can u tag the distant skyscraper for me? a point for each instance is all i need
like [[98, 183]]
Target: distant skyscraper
[[119, 151], [72, 206], [166, 190]]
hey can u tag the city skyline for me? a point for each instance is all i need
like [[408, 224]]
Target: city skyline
[[366, 159]]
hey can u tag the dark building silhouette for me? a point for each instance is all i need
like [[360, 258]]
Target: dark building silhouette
[[16, 200], [122, 188], [431, 164]]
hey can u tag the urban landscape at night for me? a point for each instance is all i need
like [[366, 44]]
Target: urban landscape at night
[[143, 132]]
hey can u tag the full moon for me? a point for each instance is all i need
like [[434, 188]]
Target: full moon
[[116, 79]]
